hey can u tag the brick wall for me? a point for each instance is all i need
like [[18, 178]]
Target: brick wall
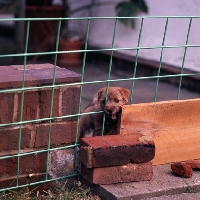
[[34, 135]]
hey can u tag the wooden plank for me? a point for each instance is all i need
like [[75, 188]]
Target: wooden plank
[[173, 125]]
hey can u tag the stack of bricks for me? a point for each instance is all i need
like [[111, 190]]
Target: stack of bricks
[[34, 135], [117, 158]]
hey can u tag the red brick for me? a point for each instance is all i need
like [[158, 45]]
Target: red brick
[[34, 163], [45, 102], [6, 107], [111, 150], [61, 133], [118, 174], [70, 100], [182, 169], [195, 164], [9, 138], [7, 167], [10, 181], [30, 106]]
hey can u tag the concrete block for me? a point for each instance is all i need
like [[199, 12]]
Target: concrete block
[[35, 75], [61, 163]]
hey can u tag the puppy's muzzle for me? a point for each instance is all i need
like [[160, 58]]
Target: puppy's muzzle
[[112, 113]]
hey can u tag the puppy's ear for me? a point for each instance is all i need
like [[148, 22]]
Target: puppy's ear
[[98, 95], [125, 93], [95, 99]]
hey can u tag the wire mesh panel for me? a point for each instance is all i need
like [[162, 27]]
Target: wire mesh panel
[[39, 155]]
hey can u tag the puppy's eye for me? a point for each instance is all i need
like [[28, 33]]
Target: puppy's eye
[[116, 101]]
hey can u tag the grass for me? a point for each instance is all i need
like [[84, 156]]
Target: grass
[[78, 191]]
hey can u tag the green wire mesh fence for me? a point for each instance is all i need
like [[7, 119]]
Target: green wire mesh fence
[[82, 83]]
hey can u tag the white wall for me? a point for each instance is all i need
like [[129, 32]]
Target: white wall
[[101, 31]]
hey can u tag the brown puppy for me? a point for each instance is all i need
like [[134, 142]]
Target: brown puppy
[[91, 124]]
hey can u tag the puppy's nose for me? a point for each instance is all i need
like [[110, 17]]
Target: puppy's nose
[[109, 110]]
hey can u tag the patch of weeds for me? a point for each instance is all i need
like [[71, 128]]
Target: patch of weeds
[[76, 192], [22, 194]]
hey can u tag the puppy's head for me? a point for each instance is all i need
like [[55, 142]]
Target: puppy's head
[[116, 98]]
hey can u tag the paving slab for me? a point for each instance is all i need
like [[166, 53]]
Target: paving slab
[[164, 185], [184, 196]]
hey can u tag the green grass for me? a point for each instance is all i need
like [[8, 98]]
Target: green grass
[[66, 192]]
